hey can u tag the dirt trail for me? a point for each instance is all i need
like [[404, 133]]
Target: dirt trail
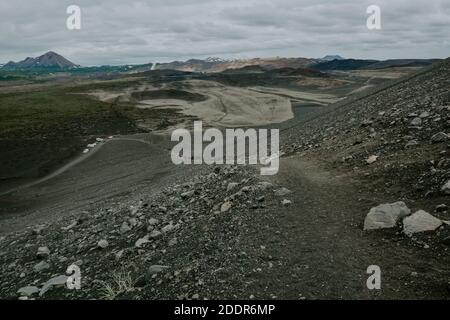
[[325, 253]]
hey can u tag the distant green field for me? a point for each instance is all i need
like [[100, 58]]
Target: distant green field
[[41, 130], [35, 113]]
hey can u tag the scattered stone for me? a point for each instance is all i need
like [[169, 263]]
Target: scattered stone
[[140, 242], [439, 137], [153, 221], [155, 234], [282, 192], [173, 242], [446, 187], [38, 229], [187, 194], [119, 255], [78, 263], [264, 185], [225, 206], [385, 215], [424, 115], [135, 209], [132, 222], [58, 281], [441, 208], [41, 266], [411, 143], [103, 244], [124, 228], [286, 202], [168, 228], [155, 269], [231, 186], [28, 291], [43, 252], [371, 159], [70, 226], [420, 221], [416, 122]]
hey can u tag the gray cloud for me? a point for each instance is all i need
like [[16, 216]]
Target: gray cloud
[[119, 32]]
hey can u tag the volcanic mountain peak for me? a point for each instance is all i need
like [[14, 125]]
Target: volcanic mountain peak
[[48, 60]]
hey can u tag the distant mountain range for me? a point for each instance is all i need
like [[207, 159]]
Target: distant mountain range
[[47, 60], [327, 63], [219, 65], [53, 62]]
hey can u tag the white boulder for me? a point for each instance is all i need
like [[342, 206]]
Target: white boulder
[[420, 221], [385, 215]]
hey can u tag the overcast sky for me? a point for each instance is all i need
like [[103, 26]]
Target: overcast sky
[[121, 32]]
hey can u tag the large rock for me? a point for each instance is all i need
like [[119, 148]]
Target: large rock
[[420, 221], [385, 215]]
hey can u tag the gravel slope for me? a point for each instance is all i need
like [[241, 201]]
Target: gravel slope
[[225, 233]]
